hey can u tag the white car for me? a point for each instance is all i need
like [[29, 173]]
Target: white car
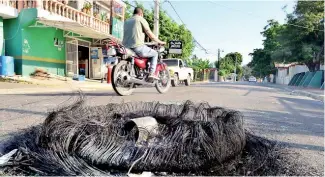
[[179, 71], [252, 79]]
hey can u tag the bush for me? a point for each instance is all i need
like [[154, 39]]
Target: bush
[[222, 73]]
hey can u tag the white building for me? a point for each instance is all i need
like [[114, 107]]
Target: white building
[[285, 72]]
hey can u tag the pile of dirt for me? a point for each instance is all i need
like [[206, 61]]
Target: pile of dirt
[[42, 74], [192, 139]]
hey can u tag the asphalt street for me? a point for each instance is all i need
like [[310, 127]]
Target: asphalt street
[[295, 121]]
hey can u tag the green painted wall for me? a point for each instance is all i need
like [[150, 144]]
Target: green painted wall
[[34, 47], [2, 50], [56, 68], [13, 29], [117, 28]]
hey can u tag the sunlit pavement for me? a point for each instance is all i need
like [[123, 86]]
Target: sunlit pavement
[[296, 121]]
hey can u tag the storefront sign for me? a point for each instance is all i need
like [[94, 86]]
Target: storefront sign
[[175, 47], [117, 28], [94, 53], [117, 8]]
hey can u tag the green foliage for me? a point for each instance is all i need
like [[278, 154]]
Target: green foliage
[[239, 72], [300, 40], [261, 63], [168, 30], [128, 11], [305, 45], [247, 71], [198, 63], [222, 73], [235, 56], [227, 64]]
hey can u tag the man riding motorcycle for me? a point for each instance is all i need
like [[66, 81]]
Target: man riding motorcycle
[[135, 29]]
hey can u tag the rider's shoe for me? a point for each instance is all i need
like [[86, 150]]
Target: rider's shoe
[[153, 76]]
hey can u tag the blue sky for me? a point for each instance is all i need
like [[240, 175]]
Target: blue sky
[[233, 26]]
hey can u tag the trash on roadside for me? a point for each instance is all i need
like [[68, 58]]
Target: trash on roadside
[[42, 74], [5, 158]]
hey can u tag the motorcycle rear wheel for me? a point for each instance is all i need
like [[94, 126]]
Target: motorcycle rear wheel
[[164, 82], [122, 68]]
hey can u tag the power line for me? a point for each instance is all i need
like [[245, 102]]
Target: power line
[[175, 11], [197, 43], [126, 2], [185, 25], [251, 14]]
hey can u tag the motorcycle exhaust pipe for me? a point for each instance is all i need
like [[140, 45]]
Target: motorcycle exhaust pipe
[[141, 82]]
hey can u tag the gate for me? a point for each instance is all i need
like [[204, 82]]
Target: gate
[[71, 57]]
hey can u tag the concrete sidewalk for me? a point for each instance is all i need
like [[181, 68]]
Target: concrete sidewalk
[[52, 86], [317, 94]]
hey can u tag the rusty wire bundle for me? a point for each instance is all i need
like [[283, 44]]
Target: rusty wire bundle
[[191, 139]]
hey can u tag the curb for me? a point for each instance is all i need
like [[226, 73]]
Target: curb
[[299, 92], [308, 94], [201, 82], [51, 90]]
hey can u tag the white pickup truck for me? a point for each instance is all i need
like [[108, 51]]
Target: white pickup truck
[[179, 71]]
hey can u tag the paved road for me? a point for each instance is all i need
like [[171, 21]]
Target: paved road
[[296, 121]]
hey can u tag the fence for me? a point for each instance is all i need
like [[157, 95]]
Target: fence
[[308, 79], [205, 75]]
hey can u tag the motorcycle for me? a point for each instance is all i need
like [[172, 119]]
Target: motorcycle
[[132, 71]]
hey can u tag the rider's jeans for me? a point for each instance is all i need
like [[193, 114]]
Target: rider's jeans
[[147, 52]]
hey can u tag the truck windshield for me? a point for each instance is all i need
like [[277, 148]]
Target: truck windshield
[[171, 62]]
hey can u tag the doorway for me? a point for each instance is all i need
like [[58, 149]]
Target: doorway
[[77, 57], [83, 59]]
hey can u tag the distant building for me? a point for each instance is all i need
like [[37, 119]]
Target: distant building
[[285, 72]]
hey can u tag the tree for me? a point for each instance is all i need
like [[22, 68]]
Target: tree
[[199, 65], [262, 63], [168, 30], [247, 72], [235, 56], [302, 38], [229, 63]]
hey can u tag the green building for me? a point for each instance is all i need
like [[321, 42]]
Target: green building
[[56, 36]]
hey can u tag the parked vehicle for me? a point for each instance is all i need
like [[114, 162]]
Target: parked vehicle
[[252, 79], [133, 70], [179, 72]]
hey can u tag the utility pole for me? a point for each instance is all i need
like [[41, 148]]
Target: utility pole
[[156, 19], [236, 69], [218, 60]]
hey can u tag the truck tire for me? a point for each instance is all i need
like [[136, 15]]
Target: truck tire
[[175, 81], [188, 80]]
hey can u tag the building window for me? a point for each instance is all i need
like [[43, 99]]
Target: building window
[[96, 8]]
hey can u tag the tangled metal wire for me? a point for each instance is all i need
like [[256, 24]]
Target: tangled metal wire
[[99, 140]]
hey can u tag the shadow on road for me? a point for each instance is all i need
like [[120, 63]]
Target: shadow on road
[[21, 111], [305, 117], [239, 86], [302, 146]]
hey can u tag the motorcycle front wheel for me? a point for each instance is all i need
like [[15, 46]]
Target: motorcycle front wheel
[[163, 84], [120, 73]]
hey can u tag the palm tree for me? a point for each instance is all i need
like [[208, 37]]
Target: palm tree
[[200, 65]]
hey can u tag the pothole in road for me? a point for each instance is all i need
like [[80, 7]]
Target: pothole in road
[[137, 137]]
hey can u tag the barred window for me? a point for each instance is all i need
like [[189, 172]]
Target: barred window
[[96, 8]]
